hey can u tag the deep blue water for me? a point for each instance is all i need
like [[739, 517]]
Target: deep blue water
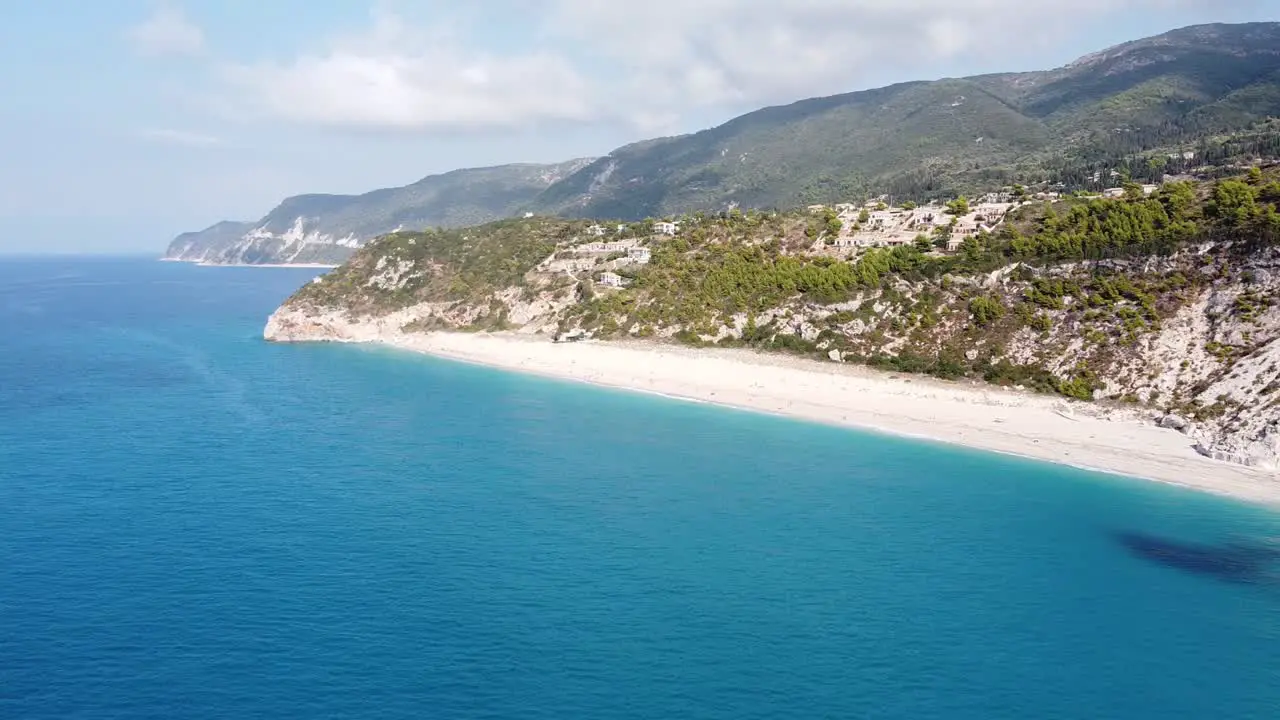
[[197, 524]]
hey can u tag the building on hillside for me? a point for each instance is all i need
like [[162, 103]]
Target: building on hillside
[[595, 231], [992, 210], [927, 218], [965, 227], [881, 220], [639, 254], [609, 279], [991, 198], [666, 228], [609, 246]]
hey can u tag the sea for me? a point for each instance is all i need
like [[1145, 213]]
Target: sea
[[195, 523]]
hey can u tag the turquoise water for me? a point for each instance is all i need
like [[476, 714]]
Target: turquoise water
[[198, 524]]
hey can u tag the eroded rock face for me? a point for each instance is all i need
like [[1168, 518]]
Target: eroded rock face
[[1200, 357], [292, 323]]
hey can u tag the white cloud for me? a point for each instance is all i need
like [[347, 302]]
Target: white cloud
[[167, 32], [180, 137], [675, 53], [371, 81], [648, 63]]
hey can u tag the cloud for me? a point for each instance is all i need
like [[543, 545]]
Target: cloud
[[649, 64], [180, 137], [371, 82], [167, 32], [678, 54]]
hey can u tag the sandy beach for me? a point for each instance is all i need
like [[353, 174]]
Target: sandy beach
[[978, 416]]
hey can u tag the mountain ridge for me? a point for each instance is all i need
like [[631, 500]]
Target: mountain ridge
[[921, 139], [324, 228]]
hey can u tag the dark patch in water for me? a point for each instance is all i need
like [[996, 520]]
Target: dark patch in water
[[1232, 561]]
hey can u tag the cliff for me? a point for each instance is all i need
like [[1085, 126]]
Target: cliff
[[1161, 303]]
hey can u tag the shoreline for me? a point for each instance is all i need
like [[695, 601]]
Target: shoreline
[[1018, 423], [199, 263]]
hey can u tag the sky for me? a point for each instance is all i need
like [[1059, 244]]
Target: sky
[[126, 122]]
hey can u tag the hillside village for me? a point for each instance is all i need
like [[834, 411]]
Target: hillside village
[[875, 224], [944, 226]]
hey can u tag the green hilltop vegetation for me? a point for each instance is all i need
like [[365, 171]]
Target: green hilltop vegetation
[[463, 265], [1068, 295]]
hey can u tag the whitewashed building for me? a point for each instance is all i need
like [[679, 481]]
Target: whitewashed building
[[611, 246]]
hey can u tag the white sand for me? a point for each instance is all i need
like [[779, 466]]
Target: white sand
[[1019, 423]]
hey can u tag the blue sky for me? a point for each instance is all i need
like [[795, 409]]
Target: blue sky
[[126, 122]]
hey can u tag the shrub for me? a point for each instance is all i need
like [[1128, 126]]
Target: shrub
[[985, 310]]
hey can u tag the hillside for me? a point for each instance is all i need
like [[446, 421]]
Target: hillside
[[207, 244], [936, 139], [327, 228], [1162, 301], [1200, 95]]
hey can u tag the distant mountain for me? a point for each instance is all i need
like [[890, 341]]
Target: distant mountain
[[207, 244], [940, 138], [326, 228], [913, 140]]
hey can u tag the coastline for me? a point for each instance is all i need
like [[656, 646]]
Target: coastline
[[200, 263], [1011, 422]]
